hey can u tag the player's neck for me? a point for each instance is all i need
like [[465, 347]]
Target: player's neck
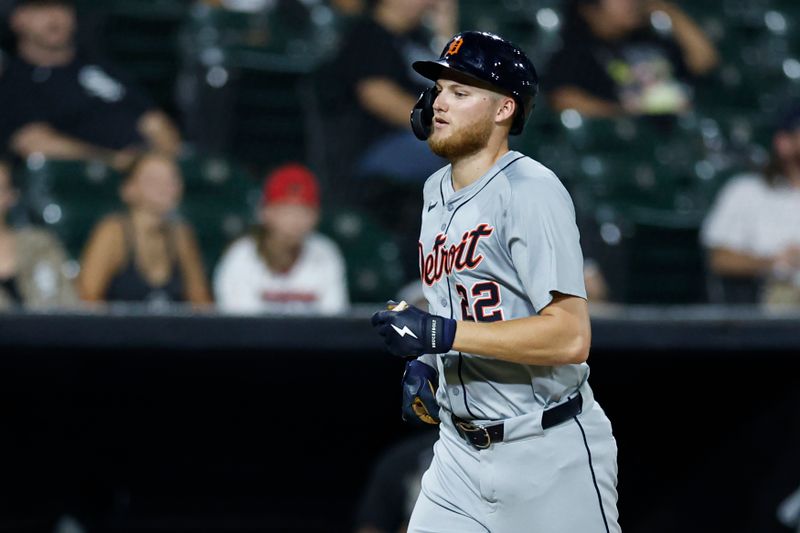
[[469, 169]]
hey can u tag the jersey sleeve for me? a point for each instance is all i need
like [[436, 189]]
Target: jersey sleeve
[[543, 240], [727, 224]]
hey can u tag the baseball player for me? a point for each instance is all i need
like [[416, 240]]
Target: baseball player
[[500, 358]]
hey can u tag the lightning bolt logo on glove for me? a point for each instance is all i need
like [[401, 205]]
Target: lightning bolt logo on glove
[[410, 332], [403, 332]]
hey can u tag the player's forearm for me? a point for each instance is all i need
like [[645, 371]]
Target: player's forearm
[[538, 340]]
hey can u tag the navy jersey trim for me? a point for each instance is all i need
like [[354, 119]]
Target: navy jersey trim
[[449, 292], [462, 204], [441, 184], [594, 478]]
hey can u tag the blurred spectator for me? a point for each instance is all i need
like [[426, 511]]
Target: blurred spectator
[[284, 267], [394, 484], [348, 8], [596, 285], [59, 102], [753, 229], [31, 259], [627, 57], [378, 88], [144, 254]]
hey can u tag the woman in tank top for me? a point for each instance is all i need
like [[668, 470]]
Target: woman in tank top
[[145, 254]]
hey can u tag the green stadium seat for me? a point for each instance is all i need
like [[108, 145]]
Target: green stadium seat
[[70, 197], [373, 269], [219, 201], [247, 72]]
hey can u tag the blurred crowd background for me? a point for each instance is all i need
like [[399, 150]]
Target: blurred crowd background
[[255, 156], [139, 136]]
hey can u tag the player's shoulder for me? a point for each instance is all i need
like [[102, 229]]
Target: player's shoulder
[[433, 183], [527, 178]]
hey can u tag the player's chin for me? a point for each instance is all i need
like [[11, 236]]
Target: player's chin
[[439, 137], [438, 145]]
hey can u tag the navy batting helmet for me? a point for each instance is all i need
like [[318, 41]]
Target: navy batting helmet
[[488, 58]]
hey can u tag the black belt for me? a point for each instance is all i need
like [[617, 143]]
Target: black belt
[[481, 437]]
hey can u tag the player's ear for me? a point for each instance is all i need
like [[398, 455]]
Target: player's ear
[[506, 109]]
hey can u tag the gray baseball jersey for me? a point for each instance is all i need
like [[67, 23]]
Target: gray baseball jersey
[[496, 250]]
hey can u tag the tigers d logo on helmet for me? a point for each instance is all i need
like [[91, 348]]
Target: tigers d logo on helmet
[[455, 46], [488, 58]]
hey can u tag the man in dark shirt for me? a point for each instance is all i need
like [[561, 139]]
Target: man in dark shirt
[[627, 57], [61, 104], [372, 69]]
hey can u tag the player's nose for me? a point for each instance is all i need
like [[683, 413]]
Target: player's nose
[[439, 103]]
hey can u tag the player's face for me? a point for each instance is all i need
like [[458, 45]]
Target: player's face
[[48, 26], [156, 187], [289, 223], [463, 119]]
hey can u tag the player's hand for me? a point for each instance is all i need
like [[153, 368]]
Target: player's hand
[[411, 332], [420, 382]]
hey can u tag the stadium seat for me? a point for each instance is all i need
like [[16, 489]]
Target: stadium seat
[[242, 76], [219, 201], [69, 197], [372, 258]]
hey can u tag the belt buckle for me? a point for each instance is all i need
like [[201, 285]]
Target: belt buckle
[[468, 428]]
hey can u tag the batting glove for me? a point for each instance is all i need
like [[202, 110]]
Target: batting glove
[[419, 392], [413, 332]]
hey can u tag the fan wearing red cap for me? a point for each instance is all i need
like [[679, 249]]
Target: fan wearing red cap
[[284, 266]]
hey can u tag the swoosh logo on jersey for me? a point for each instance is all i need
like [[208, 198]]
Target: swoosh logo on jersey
[[403, 332], [431, 206]]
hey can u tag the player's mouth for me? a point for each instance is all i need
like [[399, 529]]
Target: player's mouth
[[439, 122]]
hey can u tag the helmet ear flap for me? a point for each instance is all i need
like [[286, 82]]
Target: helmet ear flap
[[422, 113], [523, 112]]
